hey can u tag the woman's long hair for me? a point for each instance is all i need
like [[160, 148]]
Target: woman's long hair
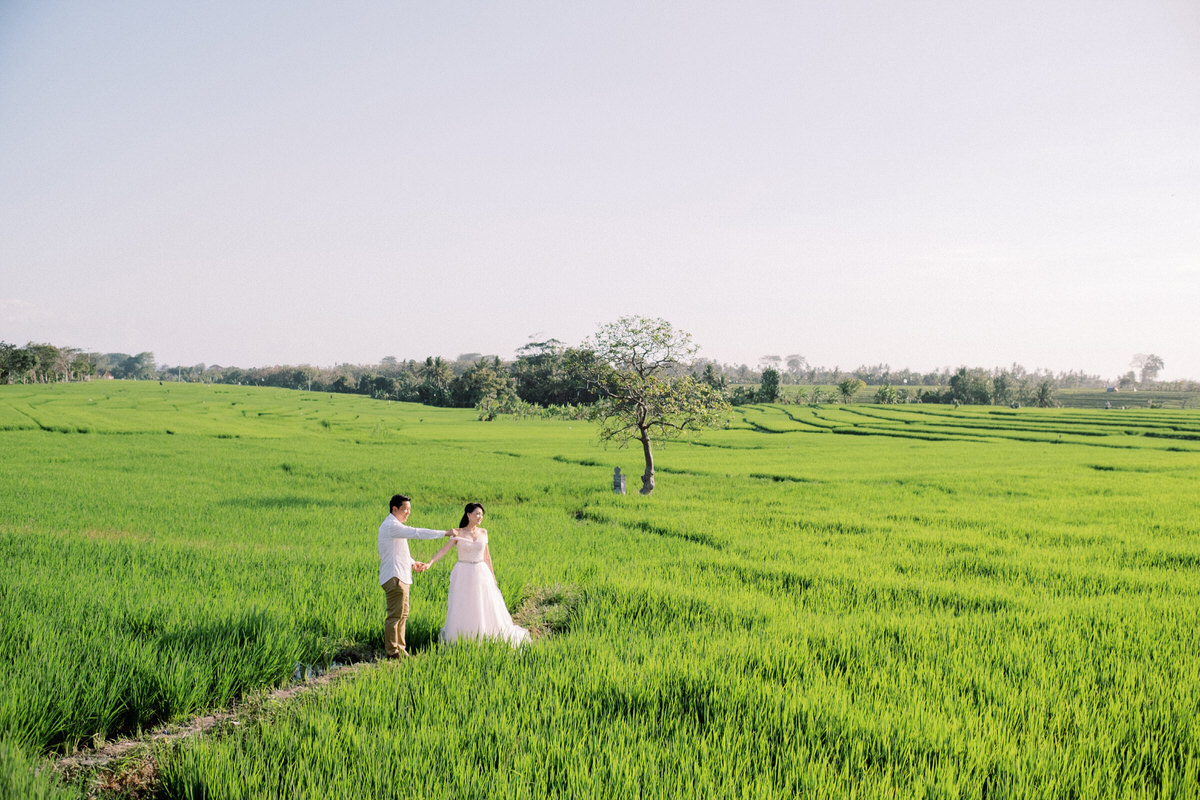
[[470, 507]]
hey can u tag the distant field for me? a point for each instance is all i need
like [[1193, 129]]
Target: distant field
[[1066, 398], [861, 601], [1096, 398]]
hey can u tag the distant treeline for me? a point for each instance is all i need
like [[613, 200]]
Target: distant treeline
[[541, 375]]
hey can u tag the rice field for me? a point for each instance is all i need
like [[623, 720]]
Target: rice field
[[861, 601]]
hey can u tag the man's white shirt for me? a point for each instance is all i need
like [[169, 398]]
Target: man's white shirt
[[394, 559]]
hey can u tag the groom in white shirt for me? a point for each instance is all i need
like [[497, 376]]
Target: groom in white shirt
[[396, 569]]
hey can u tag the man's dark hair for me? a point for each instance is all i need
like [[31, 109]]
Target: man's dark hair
[[399, 500]]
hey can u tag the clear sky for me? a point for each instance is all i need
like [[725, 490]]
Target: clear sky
[[922, 184]]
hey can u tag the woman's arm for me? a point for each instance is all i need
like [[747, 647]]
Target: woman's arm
[[445, 549], [487, 557]]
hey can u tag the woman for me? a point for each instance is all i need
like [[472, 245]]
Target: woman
[[475, 608]]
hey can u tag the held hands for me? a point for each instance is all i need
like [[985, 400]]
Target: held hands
[[420, 566]]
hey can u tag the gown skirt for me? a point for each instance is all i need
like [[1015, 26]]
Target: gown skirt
[[475, 608]]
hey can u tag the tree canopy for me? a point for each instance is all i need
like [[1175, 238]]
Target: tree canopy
[[635, 365], [768, 390], [1148, 364]]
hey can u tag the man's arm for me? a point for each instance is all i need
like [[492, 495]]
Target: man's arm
[[398, 530]]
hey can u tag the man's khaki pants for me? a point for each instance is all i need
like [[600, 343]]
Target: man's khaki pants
[[397, 615]]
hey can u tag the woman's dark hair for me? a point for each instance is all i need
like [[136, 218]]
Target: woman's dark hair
[[470, 507]]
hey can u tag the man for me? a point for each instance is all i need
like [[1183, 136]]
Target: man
[[396, 569]]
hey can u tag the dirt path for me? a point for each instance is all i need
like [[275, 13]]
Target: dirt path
[[124, 767]]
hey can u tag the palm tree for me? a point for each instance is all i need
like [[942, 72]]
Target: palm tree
[[1044, 396], [886, 394], [436, 371], [436, 376], [849, 388]]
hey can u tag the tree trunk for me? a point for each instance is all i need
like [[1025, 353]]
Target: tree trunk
[[648, 476]]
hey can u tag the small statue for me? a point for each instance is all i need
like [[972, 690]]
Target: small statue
[[618, 481]]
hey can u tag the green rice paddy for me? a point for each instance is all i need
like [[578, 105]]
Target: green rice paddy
[[834, 601]]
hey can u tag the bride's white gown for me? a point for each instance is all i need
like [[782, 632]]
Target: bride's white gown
[[475, 608]]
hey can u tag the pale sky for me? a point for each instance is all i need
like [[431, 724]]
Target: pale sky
[[922, 184]]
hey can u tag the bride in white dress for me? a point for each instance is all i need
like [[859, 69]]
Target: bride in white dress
[[475, 608]]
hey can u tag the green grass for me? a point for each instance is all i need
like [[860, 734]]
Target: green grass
[[26, 777], [1104, 428], [908, 601]]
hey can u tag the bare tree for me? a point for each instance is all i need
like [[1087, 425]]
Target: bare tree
[[629, 363], [796, 364], [1148, 364]]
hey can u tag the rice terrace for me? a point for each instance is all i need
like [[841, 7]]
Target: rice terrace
[[817, 600]]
